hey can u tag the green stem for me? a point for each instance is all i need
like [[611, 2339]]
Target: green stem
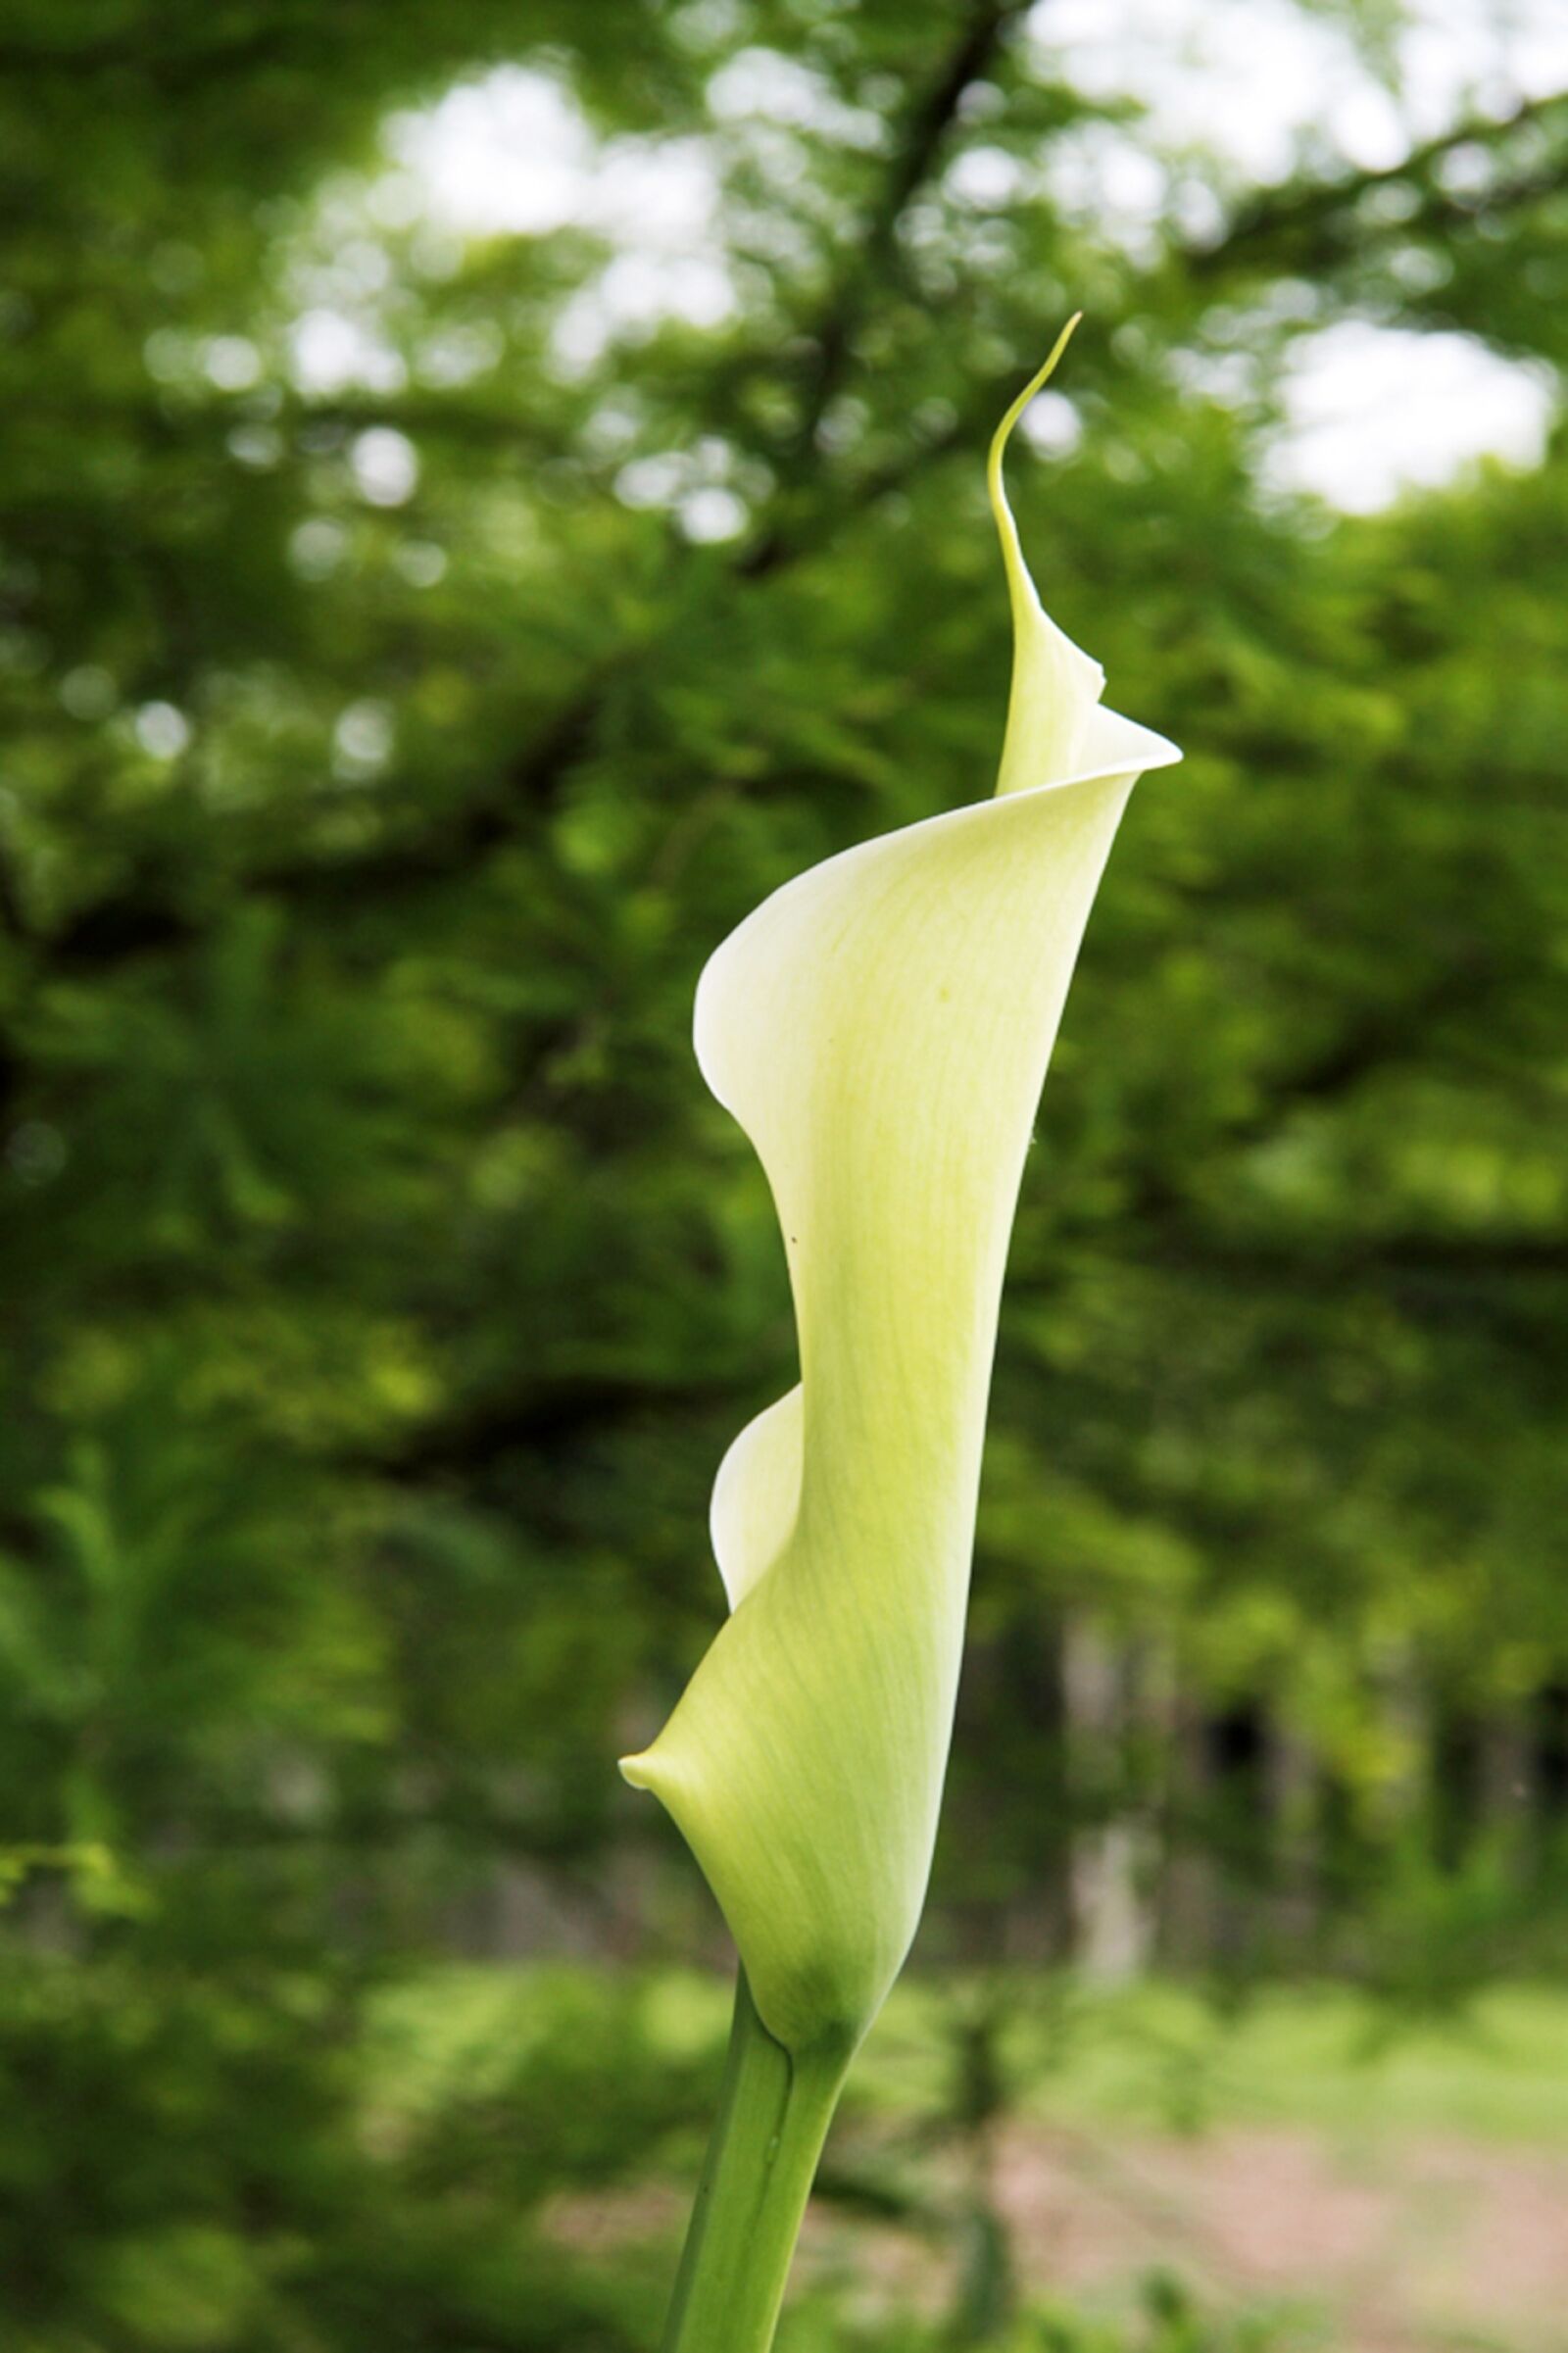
[[773, 2114]]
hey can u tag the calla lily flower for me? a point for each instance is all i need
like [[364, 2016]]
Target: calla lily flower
[[880, 1028]]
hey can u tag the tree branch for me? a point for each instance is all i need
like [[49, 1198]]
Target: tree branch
[[930, 118], [1312, 224], [139, 920]]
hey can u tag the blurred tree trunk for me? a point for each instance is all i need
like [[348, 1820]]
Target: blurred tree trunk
[[1508, 1776], [1294, 1821], [1404, 1787], [1034, 1674], [1188, 1881], [1108, 1692]]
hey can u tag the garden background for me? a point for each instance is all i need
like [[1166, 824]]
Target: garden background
[[486, 492]]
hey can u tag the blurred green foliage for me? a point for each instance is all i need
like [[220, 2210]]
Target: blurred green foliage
[[1167, 2322], [386, 743]]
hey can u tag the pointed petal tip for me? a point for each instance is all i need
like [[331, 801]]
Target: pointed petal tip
[[1117, 746], [1040, 377]]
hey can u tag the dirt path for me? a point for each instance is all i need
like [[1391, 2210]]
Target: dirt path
[[1392, 2246]]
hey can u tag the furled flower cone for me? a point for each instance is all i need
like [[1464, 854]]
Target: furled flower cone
[[880, 1028]]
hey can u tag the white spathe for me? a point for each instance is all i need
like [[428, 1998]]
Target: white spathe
[[880, 1028]]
